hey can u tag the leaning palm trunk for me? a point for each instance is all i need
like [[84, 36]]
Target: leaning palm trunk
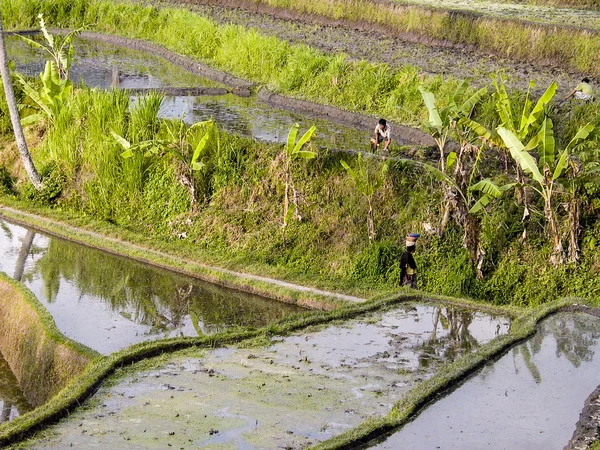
[[34, 176], [574, 230]]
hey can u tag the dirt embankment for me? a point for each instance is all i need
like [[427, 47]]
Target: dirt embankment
[[40, 361], [587, 429]]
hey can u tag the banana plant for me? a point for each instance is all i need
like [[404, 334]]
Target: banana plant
[[56, 84], [294, 150], [546, 173], [59, 49], [367, 180], [191, 158], [455, 120], [441, 122], [52, 96]]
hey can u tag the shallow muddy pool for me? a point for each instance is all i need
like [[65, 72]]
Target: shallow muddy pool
[[252, 118], [300, 390], [103, 65], [529, 399], [108, 302]]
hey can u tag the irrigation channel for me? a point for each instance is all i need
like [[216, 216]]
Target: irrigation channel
[[104, 65]]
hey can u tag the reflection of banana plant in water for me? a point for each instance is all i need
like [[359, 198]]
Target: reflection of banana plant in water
[[575, 337], [523, 349], [457, 341]]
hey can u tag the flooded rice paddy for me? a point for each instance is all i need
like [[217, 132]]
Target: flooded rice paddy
[[530, 398], [106, 66], [108, 303], [297, 391]]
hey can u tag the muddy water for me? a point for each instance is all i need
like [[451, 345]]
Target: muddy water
[[300, 390], [104, 65], [12, 401], [107, 302], [530, 398], [249, 117]]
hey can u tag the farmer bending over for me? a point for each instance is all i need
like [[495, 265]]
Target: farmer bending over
[[583, 91], [383, 133]]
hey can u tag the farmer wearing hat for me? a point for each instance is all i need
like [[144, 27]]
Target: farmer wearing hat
[[408, 266]]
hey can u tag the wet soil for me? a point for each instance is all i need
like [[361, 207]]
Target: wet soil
[[302, 389], [529, 398], [396, 51]]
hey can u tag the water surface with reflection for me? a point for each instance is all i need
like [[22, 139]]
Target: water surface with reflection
[[530, 398], [302, 389], [12, 401], [108, 302]]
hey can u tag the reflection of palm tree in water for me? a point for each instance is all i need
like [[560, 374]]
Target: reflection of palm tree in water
[[5, 414], [456, 341], [23, 253], [574, 334]]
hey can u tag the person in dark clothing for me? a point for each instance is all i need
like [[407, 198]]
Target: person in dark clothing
[[408, 267]]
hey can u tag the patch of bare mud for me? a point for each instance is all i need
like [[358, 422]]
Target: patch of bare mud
[[396, 51], [303, 389]]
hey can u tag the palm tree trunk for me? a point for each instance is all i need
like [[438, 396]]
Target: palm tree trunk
[[33, 174]]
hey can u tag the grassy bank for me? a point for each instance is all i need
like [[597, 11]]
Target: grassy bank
[[42, 359], [238, 220], [542, 43]]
